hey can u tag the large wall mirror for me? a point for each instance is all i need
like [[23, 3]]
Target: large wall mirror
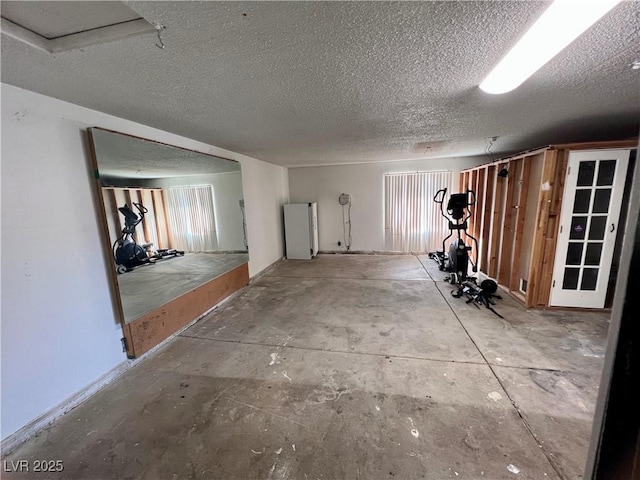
[[176, 229]]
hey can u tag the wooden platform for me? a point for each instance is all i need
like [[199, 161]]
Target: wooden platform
[[148, 330]]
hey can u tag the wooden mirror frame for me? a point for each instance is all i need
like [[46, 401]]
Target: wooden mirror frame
[[145, 332]]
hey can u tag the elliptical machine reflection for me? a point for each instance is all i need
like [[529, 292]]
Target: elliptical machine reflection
[[127, 252]]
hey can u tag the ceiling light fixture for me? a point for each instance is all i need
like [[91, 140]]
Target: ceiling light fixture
[[557, 27]]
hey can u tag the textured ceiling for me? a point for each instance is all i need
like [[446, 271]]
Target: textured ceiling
[[308, 83], [121, 156]]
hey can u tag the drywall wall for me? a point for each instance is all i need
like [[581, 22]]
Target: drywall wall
[[266, 190], [59, 332], [365, 183]]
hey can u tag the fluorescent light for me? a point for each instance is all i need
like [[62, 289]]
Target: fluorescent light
[[557, 27]]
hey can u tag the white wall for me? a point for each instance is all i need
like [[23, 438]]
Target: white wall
[[266, 189], [365, 183], [58, 331]]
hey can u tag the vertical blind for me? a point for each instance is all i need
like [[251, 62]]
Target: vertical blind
[[412, 219], [190, 218]]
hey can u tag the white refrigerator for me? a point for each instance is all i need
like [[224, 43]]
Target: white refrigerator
[[301, 230]]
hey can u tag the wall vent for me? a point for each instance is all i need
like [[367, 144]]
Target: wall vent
[[523, 285]]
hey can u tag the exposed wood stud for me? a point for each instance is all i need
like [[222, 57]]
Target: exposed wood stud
[[479, 209], [490, 175], [504, 272], [519, 221], [474, 211], [496, 225], [166, 215]]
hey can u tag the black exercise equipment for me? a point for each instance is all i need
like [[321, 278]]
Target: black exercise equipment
[[482, 294], [127, 252], [458, 260]]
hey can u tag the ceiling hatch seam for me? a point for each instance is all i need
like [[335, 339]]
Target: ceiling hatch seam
[[76, 40]]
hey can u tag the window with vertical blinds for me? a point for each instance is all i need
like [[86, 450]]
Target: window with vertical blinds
[[191, 220], [412, 219]]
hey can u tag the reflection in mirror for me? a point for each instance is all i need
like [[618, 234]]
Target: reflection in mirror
[[175, 218]]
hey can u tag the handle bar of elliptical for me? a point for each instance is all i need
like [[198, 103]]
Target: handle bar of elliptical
[[442, 193], [472, 194], [141, 208]]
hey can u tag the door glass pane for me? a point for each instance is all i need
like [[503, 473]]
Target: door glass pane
[[606, 172], [574, 253], [585, 173], [596, 230], [581, 202], [594, 252], [570, 281], [589, 279], [578, 226], [601, 200]]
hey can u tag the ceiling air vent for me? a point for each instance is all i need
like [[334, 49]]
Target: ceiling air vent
[[60, 26]]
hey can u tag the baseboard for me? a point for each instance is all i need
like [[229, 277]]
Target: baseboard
[[29, 430], [265, 271], [227, 252], [367, 252]]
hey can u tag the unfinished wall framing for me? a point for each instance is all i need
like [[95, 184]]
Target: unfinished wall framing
[[516, 216], [153, 227]]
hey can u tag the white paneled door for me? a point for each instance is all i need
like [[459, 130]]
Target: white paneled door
[[588, 227]]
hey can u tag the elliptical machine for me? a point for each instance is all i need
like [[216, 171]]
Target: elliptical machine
[[457, 261], [127, 252]]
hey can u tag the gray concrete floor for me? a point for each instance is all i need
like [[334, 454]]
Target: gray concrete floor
[[150, 286], [346, 367]]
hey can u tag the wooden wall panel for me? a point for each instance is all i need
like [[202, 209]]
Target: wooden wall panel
[[545, 274], [149, 330], [542, 219]]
